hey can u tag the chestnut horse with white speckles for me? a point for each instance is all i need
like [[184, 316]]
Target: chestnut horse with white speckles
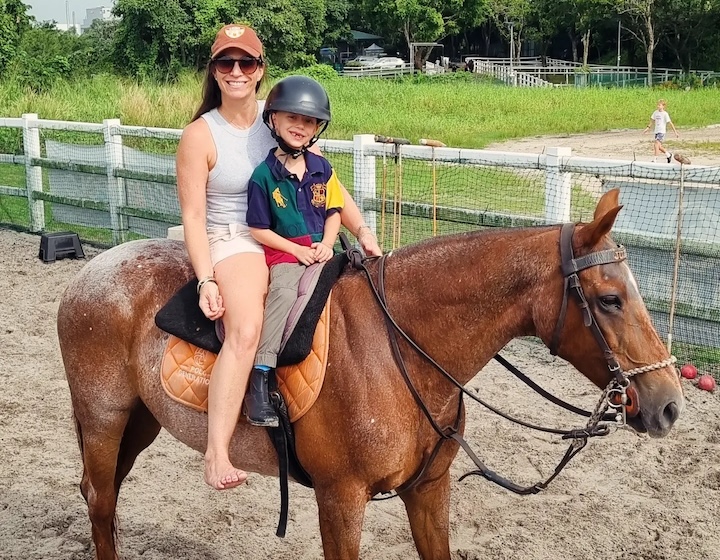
[[461, 298]]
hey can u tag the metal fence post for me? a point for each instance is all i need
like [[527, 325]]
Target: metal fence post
[[364, 178], [558, 186], [117, 196], [33, 173]]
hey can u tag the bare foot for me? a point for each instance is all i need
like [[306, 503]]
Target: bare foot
[[221, 475]]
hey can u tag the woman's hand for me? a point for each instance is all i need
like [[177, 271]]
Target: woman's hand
[[211, 302], [368, 241]]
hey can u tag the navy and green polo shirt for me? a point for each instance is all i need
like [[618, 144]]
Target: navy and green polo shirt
[[293, 208]]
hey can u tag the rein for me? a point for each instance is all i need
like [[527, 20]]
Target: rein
[[614, 396]]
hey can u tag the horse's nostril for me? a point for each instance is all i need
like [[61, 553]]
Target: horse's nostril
[[671, 412]]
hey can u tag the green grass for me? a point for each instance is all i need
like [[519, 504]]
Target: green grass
[[706, 359], [701, 147], [459, 110], [13, 209]]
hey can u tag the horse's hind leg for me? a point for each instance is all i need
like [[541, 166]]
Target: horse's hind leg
[[341, 509], [428, 509], [141, 430], [109, 451], [110, 441], [100, 445]]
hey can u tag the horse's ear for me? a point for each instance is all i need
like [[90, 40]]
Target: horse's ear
[[604, 218], [607, 201]]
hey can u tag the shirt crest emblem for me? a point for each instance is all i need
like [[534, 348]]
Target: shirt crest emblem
[[319, 191]]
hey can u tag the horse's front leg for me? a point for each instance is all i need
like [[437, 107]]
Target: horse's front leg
[[428, 509], [341, 508]]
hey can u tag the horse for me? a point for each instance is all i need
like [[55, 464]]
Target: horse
[[460, 298]]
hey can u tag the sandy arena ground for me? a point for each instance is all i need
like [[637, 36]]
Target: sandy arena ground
[[626, 144], [625, 497]]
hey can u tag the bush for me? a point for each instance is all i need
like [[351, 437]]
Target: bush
[[40, 75], [319, 72]]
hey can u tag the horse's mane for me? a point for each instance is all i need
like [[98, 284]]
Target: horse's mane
[[465, 239]]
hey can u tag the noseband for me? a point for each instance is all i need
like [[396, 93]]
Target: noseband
[[618, 388]]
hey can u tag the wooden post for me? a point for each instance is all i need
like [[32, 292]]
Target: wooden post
[[558, 187], [117, 197], [33, 173], [364, 178]]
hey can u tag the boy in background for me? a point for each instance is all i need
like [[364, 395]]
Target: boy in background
[[661, 118]]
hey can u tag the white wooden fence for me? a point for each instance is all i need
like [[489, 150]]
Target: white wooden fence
[[666, 206]]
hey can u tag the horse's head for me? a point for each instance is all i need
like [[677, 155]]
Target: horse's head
[[603, 323]]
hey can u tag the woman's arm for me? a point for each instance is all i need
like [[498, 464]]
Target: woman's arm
[[192, 163], [352, 219], [193, 167]]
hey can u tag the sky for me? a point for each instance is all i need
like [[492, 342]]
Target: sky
[[55, 9]]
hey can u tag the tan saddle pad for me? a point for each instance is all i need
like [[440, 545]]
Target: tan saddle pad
[[186, 369]]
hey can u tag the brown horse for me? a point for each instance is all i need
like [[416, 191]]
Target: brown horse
[[461, 298]]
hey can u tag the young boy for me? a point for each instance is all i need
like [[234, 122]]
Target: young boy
[[661, 118], [294, 203]]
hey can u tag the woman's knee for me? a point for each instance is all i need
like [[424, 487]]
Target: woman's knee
[[242, 339]]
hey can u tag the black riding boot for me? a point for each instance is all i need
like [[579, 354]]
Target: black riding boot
[[257, 401]]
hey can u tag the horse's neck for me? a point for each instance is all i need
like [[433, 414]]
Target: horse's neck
[[463, 298]]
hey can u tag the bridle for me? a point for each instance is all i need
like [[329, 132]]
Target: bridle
[[618, 396], [619, 390]]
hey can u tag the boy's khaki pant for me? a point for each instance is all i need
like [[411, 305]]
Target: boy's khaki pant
[[284, 282]]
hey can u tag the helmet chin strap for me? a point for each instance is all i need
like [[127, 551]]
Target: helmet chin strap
[[297, 152], [289, 150]]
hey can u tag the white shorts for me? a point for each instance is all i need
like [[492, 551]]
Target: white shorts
[[229, 240]]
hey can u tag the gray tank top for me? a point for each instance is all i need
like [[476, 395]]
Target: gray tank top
[[239, 152]]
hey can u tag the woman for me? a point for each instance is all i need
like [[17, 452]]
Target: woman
[[216, 155]]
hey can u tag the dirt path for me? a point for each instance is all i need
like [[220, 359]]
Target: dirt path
[[626, 497], [701, 145]]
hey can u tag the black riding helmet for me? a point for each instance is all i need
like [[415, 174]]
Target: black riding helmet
[[300, 95]]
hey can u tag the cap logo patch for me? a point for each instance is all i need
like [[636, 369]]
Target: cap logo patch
[[234, 32]]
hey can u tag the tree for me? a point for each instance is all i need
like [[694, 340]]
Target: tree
[[642, 15], [511, 17], [337, 19], [588, 14], [14, 22], [291, 30], [413, 21], [97, 44], [44, 55], [151, 37], [689, 30], [159, 37]]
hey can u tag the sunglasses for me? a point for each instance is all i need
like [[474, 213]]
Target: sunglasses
[[247, 64]]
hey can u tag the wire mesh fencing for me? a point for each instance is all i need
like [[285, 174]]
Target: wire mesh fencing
[[111, 183]]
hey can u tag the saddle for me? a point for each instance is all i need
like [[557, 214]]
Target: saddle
[[195, 340]]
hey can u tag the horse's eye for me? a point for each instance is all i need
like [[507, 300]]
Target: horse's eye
[[610, 303]]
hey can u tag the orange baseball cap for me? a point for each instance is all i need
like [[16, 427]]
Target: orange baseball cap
[[240, 36]]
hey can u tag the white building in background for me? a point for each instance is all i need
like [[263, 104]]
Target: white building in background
[[92, 14], [69, 27]]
